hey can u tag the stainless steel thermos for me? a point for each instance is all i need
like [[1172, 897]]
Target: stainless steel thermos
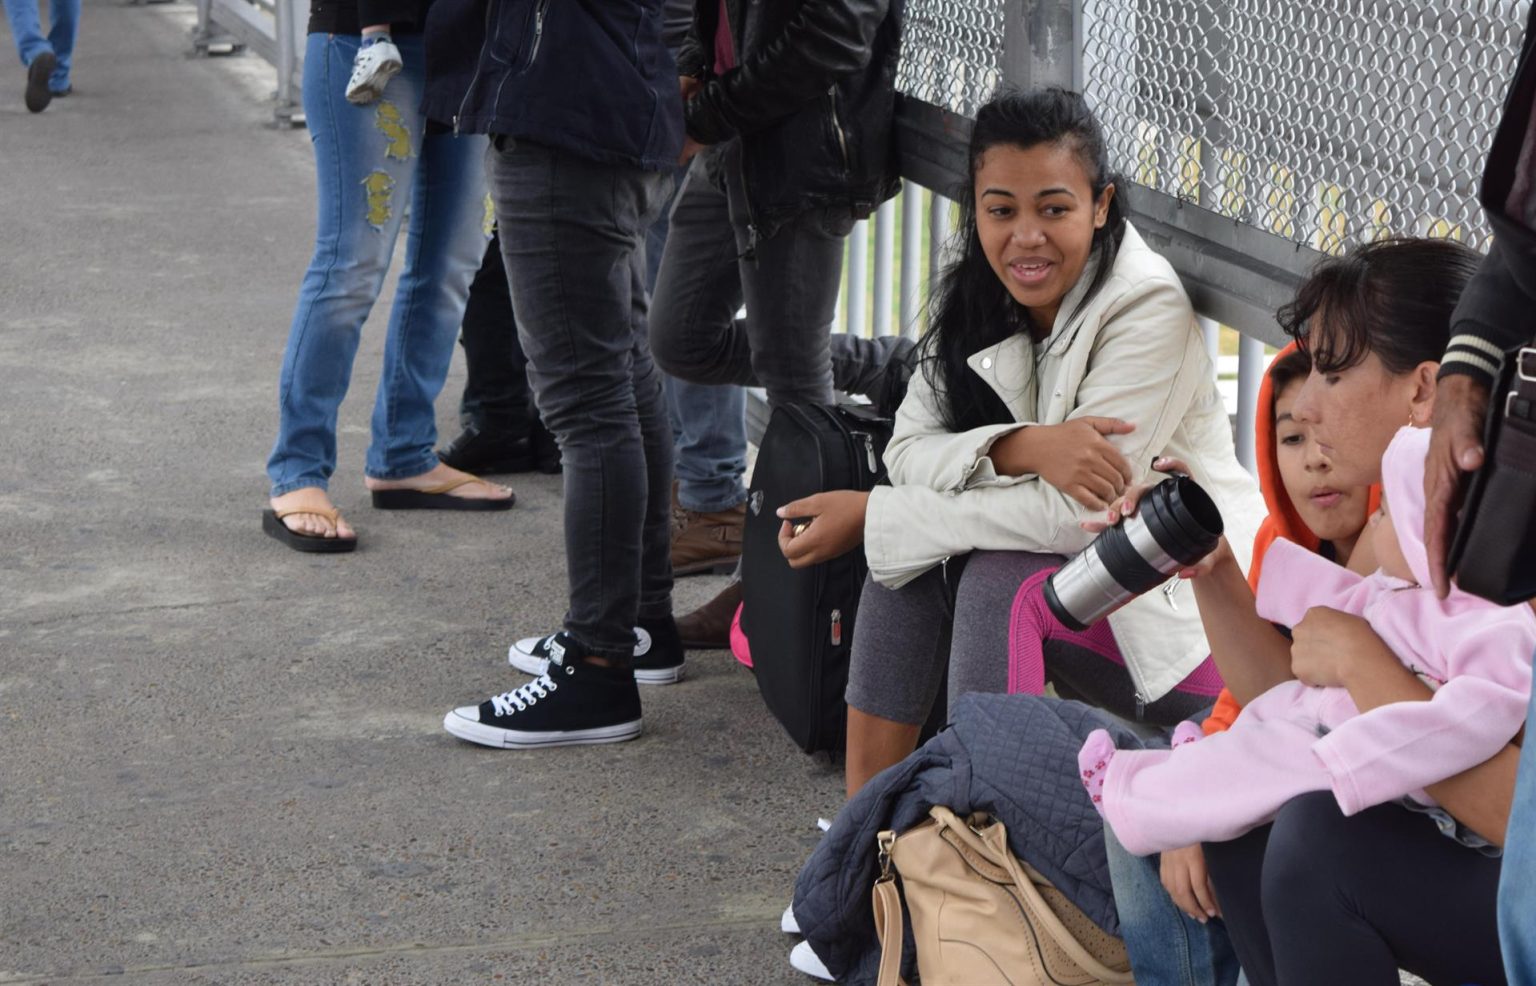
[[1175, 525]]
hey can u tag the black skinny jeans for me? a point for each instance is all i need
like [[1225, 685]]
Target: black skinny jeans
[[1317, 899], [573, 240], [497, 398]]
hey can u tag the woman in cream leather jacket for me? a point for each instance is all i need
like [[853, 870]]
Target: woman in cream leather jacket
[[1063, 358]]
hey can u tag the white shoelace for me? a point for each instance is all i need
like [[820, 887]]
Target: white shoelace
[[523, 697]]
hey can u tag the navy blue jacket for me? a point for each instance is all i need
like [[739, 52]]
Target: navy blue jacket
[[1012, 756], [591, 77]]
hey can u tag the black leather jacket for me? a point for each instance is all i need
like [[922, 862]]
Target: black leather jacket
[[811, 97]]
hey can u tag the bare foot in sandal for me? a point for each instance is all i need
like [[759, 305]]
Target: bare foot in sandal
[[446, 481], [308, 511]]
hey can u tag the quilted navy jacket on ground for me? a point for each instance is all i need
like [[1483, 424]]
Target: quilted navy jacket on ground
[[1014, 756]]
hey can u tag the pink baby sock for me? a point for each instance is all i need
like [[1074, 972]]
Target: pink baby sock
[[1186, 732], [1092, 762]]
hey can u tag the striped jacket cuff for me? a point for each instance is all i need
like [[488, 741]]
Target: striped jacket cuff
[[1474, 356]]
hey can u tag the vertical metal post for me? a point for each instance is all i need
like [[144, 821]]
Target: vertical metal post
[[1250, 374], [1040, 43], [204, 32], [911, 255], [287, 61], [885, 262], [938, 237], [858, 277]]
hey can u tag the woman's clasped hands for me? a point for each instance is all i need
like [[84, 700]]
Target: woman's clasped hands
[[1076, 457]]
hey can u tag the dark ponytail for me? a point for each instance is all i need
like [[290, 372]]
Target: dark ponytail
[[971, 308], [1393, 298]]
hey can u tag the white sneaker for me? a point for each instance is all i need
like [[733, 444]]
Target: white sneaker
[[666, 666], [372, 69], [804, 958], [787, 922]]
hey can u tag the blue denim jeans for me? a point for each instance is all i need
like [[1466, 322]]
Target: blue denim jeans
[[1166, 946], [573, 238], [373, 164], [1517, 880], [27, 31]]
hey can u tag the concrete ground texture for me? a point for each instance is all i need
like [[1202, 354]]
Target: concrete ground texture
[[222, 761]]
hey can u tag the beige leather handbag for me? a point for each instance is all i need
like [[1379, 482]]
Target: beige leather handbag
[[979, 916]]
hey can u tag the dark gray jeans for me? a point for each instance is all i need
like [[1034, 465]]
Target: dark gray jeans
[[787, 279], [573, 235]]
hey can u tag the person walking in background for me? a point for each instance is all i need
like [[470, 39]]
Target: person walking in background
[[47, 59], [585, 134], [375, 160]]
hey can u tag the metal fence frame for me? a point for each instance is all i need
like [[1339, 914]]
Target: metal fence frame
[[273, 29]]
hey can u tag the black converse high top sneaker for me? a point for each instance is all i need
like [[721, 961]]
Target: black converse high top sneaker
[[572, 703]]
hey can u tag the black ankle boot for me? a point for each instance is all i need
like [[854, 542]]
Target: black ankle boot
[[488, 452]]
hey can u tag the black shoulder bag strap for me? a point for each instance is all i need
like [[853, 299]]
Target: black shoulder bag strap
[[1494, 554]]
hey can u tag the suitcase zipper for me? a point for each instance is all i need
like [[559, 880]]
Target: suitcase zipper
[[869, 452]]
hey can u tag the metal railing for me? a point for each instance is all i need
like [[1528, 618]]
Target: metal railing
[[273, 29], [1255, 137]]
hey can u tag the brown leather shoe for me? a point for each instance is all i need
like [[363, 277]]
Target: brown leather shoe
[[709, 626], [708, 543]]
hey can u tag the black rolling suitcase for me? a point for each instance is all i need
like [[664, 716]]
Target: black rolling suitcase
[[799, 624]]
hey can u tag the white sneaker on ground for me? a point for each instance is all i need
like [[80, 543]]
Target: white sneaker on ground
[[804, 958], [657, 658], [787, 922], [372, 69]]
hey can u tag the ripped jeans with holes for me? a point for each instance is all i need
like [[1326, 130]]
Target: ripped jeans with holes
[[375, 168]]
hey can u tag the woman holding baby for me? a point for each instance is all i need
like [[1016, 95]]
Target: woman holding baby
[[1309, 894]]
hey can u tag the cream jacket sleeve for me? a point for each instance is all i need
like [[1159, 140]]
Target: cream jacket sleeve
[[1141, 360], [922, 453]]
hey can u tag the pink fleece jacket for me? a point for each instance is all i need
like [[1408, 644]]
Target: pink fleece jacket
[[1475, 654]]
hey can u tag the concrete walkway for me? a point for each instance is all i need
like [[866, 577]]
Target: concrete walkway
[[221, 761]]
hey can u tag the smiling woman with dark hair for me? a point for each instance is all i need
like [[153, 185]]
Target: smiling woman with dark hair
[[1063, 358]]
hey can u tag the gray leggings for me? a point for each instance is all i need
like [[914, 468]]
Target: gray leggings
[[956, 616]]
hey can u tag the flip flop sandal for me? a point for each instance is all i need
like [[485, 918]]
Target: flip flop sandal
[[437, 498], [272, 523]]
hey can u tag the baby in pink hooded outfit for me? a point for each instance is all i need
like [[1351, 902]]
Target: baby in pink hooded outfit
[[1295, 738]]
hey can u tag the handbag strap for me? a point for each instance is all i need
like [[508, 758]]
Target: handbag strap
[[889, 926], [1516, 447]]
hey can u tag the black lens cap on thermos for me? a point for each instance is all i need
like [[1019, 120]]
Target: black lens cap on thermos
[[1175, 525]]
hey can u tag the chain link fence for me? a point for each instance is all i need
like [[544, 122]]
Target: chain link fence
[[1326, 122], [952, 52], [1323, 122]]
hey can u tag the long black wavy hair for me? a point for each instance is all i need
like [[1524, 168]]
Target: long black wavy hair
[[971, 308]]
